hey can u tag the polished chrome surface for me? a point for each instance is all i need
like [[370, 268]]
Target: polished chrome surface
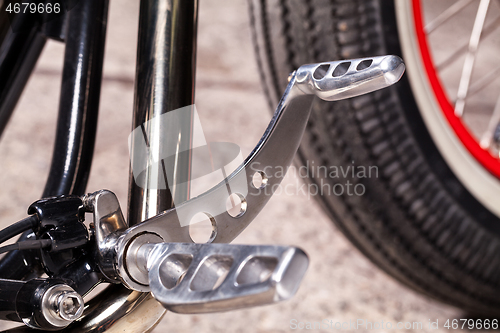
[[118, 309], [165, 78], [333, 81], [133, 311], [137, 253], [115, 310], [61, 305], [200, 278], [108, 222]]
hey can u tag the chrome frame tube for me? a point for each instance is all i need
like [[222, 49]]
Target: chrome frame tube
[[165, 78]]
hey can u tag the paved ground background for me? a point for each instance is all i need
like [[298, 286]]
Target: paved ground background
[[340, 285]]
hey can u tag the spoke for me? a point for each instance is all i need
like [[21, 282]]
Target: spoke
[[455, 55], [446, 15], [470, 58], [487, 137], [483, 82]]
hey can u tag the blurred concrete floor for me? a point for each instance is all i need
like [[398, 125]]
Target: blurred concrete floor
[[340, 285]]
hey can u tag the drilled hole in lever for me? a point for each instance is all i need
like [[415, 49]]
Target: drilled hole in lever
[[202, 228], [259, 180], [236, 205], [173, 269]]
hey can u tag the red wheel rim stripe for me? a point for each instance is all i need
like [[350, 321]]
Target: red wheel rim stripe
[[484, 157]]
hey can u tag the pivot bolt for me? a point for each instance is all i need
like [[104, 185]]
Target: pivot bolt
[[61, 305]]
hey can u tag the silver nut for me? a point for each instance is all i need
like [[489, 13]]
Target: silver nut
[[61, 305]]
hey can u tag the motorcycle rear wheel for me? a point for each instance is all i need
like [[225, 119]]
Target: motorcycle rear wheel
[[415, 219]]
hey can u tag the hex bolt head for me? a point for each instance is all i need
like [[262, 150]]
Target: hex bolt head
[[61, 305], [70, 305]]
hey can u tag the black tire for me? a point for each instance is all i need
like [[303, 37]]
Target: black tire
[[415, 220]]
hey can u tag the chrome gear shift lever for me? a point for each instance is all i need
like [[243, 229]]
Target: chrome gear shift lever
[[145, 257]]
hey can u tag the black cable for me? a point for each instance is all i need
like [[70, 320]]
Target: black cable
[[27, 245], [18, 227]]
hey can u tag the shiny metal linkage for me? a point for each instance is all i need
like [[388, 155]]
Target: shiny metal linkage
[[122, 255]]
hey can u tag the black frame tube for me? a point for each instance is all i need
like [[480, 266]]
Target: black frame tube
[[79, 99], [20, 51], [8, 295]]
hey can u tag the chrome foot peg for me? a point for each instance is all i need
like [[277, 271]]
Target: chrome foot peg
[[200, 278]]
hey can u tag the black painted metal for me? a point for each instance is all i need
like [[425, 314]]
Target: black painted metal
[[8, 295], [79, 101], [19, 52], [82, 275], [56, 28], [77, 121], [21, 265], [61, 221]]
